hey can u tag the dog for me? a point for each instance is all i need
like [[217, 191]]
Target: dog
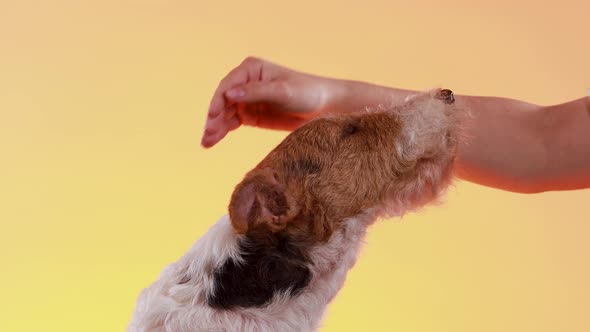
[[297, 220]]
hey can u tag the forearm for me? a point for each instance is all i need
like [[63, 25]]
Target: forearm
[[521, 147], [501, 147], [508, 144], [353, 96]]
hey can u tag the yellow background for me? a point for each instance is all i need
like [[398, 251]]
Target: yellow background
[[103, 181]]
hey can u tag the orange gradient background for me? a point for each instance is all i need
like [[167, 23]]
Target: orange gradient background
[[103, 181]]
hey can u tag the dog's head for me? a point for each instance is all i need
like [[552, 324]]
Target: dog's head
[[378, 162]]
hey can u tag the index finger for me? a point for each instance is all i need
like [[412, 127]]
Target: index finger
[[247, 71]]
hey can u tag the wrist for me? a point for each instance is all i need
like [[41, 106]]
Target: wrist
[[351, 96], [344, 96], [336, 95]]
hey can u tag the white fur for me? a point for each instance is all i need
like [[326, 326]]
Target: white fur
[[172, 307]]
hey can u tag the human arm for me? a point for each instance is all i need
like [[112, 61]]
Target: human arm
[[522, 147], [510, 144]]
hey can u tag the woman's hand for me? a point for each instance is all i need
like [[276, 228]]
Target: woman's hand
[[262, 94]]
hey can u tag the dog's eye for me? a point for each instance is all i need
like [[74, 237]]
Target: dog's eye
[[350, 129]]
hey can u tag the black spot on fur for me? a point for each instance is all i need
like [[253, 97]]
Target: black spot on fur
[[302, 167], [271, 264], [350, 129]]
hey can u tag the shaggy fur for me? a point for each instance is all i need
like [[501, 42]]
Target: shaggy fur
[[297, 221]]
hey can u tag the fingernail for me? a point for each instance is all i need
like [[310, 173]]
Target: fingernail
[[235, 93], [205, 142]]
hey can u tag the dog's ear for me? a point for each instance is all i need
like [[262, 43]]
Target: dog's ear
[[261, 200]]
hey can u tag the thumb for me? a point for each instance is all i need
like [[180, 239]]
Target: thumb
[[272, 92]]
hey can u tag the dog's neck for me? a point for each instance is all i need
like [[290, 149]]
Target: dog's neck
[[331, 262], [177, 301]]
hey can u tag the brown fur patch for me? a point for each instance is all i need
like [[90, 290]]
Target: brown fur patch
[[336, 167]]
